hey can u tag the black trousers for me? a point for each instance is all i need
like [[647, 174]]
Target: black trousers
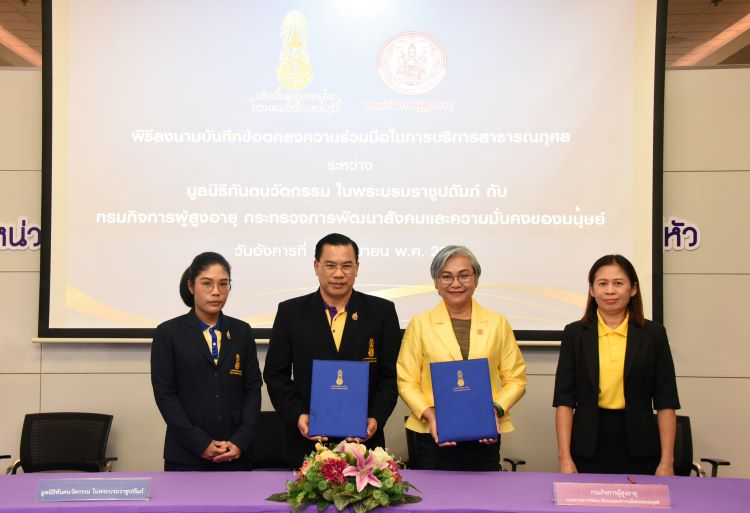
[[228, 466], [612, 455], [471, 456]]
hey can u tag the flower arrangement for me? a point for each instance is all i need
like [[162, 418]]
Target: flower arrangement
[[347, 474]]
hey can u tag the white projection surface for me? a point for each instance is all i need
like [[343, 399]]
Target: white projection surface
[[521, 129]]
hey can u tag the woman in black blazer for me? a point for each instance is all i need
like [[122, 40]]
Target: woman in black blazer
[[205, 375], [614, 369]]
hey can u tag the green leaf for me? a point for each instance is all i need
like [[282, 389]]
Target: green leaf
[[322, 505], [278, 497], [371, 503], [408, 485], [341, 502], [359, 507]]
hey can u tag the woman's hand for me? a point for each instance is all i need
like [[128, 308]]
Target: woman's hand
[[566, 466], [488, 441], [664, 469], [231, 452], [214, 449], [429, 415]]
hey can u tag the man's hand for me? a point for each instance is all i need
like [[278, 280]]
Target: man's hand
[[303, 424], [372, 426]]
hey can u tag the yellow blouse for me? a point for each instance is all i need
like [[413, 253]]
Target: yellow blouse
[[612, 344]]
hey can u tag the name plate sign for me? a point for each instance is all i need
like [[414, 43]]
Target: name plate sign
[[94, 489], [612, 494]]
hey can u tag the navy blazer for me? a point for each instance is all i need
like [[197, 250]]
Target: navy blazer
[[301, 333], [649, 377], [202, 401]]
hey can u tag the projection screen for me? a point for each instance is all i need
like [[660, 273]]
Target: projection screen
[[522, 130]]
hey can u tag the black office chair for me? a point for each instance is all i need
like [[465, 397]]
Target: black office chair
[[411, 449], [269, 439], [64, 441], [683, 452]]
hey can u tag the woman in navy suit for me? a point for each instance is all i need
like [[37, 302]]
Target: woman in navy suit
[[615, 368], [205, 375]]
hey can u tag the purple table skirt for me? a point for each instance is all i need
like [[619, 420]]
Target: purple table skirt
[[454, 492]]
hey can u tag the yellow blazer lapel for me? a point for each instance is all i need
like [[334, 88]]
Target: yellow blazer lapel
[[441, 323], [480, 329]]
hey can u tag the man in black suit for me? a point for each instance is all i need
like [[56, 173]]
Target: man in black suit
[[333, 323]]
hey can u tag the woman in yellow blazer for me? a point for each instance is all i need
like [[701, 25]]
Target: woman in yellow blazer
[[457, 328]]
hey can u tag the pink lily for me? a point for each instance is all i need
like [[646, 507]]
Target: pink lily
[[363, 471]]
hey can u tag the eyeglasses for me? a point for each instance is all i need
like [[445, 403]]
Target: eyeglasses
[[207, 286], [463, 279], [346, 268]]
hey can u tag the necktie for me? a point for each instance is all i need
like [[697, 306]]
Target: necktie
[[214, 343]]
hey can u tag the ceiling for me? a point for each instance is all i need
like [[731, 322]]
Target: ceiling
[[699, 33]]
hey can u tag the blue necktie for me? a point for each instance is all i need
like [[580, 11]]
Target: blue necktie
[[214, 343]]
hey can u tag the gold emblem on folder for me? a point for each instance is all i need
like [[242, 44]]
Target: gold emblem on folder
[[237, 371], [460, 381], [340, 377], [294, 70]]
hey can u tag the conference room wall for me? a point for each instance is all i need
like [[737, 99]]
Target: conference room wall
[[705, 177]]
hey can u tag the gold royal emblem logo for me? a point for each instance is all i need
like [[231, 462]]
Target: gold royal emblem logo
[[460, 381], [294, 70], [237, 371], [340, 377]]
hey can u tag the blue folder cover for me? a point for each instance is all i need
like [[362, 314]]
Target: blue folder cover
[[463, 400], [338, 401]]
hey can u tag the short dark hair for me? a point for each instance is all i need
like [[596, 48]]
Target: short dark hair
[[336, 239], [200, 263], [635, 305]]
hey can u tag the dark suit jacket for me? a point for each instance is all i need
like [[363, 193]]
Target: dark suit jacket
[[301, 333], [649, 384], [202, 401]]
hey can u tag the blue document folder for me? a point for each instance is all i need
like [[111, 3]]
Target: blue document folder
[[338, 401], [463, 400]]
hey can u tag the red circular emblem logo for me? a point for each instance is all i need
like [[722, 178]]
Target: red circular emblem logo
[[412, 62]]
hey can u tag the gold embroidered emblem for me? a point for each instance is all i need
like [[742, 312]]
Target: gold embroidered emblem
[[460, 381], [370, 352], [294, 70], [340, 377], [356, 317], [237, 371], [229, 335]]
